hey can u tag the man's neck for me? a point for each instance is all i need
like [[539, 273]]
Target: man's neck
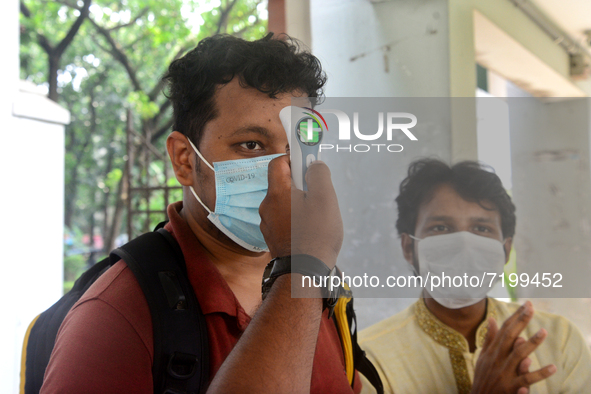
[[242, 269], [464, 320]]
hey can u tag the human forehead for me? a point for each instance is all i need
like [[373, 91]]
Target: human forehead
[[241, 111], [236, 101], [447, 204]]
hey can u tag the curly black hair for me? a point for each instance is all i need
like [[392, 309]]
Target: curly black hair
[[271, 65], [470, 179]]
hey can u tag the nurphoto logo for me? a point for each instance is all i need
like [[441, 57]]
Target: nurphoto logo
[[392, 122]]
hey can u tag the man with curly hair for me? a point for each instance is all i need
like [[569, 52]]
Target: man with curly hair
[[226, 96]]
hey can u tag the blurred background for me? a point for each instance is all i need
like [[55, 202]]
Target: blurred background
[[84, 120]]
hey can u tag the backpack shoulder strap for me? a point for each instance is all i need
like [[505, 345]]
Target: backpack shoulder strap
[[365, 367], [42, 332], [355, 357], [362, 363], [181, 349]]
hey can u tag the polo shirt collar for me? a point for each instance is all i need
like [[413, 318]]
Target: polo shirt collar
[[210, 287]]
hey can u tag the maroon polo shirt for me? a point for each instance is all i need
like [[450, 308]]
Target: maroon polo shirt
[[105, 343]]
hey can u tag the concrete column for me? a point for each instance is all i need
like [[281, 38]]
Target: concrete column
[[387, 49], [401, 48], [297, 20], [31, 202], [462, 77], [552, 192], [32, 208], [14, 279]]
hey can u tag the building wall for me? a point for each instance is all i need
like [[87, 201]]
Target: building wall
[[552, 192], [395, 48], [427, 48], [31, 202], [390, 49], [9, 177]]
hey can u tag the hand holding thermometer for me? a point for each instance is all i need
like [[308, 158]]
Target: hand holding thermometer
[[305, 129]]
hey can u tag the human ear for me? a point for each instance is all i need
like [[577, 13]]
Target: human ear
[[408, 247], [179, 150], [507, 246]]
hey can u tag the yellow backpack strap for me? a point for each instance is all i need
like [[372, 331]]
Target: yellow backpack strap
[[340, 312], [23, 373], [355, 358]]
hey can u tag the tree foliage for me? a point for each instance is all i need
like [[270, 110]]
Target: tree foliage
[[102, 60]]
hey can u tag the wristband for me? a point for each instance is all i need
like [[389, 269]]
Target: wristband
[[306, 265]]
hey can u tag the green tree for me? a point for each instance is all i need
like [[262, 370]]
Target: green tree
[[103, 61], [54, 51]]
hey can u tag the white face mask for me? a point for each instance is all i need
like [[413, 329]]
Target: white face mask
[[458, 254]]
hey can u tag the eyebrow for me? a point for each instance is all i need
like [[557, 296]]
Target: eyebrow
[[251, 129]]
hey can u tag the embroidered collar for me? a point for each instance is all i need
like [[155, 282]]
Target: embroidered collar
[[447, 336], [455, 342]]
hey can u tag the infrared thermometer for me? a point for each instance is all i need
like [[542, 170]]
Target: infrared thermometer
[[304, 128]]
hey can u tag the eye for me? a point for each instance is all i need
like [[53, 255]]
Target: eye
[[439, 228], [251, 145], [483, 229]]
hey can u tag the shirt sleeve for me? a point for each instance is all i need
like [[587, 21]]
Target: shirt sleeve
[[366, 387], [97, 350], [576, 363]]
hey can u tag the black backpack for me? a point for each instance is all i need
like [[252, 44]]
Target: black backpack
[[181, 360]]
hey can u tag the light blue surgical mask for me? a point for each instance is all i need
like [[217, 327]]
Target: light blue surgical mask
[[240, 187]]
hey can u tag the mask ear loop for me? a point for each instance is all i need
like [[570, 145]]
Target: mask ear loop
[[209, 165], [415, 238], [198, 199], [200, 155]]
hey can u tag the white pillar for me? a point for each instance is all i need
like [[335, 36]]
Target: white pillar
[[31, 202], [297, 20], [11, 187], [400, 48], [552, 191]]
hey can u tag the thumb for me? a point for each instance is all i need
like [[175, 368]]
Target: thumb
[[279, 174], [318, 179]]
